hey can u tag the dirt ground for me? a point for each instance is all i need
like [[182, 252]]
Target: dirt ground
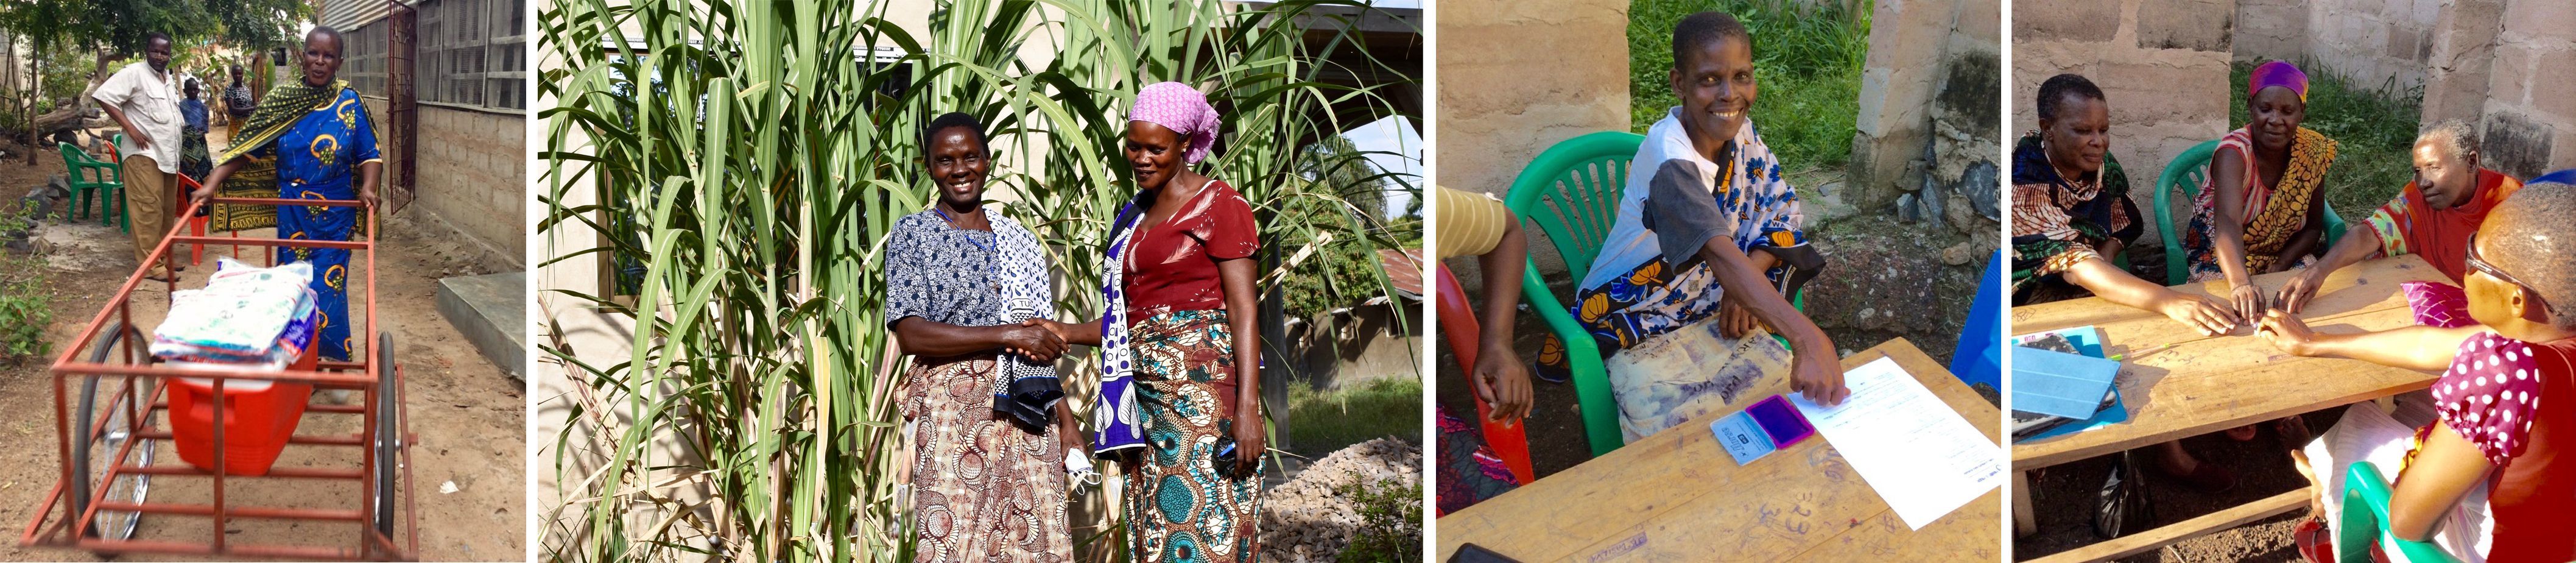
[[2063, 496], [467, 416]]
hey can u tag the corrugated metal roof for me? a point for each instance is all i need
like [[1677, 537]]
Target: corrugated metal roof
[[348, 15]]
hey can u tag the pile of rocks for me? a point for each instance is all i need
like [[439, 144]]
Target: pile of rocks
[[1311, 518]]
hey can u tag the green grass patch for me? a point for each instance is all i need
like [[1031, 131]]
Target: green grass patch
[[1806, 64], [2374, 129], [1321, 422]]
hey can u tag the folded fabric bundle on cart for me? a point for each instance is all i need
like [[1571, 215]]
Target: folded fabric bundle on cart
[[244, 315]]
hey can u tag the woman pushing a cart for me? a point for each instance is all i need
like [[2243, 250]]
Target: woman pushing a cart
[[316, 134]]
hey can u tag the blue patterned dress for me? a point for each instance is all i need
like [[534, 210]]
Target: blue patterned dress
[[1633, 293], [318, 159]]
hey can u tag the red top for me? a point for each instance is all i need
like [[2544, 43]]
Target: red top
[[2517, 402], [1172, 266]]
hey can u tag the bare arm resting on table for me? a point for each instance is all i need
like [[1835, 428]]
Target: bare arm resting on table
[[1813, 370], [2356, 245], [2108, 282], [2227, 230], [2416, 347]]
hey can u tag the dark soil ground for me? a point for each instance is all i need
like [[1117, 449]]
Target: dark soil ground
[[2062, 496]]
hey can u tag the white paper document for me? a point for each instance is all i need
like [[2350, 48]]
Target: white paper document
[[1921, 457]]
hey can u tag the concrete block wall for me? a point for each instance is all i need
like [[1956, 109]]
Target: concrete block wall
[[472, 178], [2271, 29], [2528, 116], [2162, 65], [2373, 43], [1524, 75], [2370, 43], [1896, 91], [2457, 73]]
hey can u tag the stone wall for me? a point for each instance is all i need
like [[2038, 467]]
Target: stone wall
[[2162, 66], [473, 178], [1520, 76]]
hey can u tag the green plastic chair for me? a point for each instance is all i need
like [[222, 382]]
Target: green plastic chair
[[2186, 174], [2364, 521], [1571, 191], [90, 177]]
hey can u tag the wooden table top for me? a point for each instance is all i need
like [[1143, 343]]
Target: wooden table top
[[1676, 496], [2204, 384]]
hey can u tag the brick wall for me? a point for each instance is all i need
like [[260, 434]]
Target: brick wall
[[2162, 66], [472, 178]]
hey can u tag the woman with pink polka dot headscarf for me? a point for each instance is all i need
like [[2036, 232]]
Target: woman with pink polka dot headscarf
[[1180, 406]]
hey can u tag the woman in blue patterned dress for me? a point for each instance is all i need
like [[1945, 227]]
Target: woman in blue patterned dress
[[317, 135]]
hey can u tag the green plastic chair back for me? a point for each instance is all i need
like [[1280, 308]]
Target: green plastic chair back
[[2364, 521], [92, 178], [2186, 173], [1571, 192]]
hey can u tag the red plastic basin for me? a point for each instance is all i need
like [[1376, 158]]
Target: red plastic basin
[[259, 416]]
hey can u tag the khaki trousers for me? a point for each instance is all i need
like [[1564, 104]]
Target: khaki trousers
[[147, 202]]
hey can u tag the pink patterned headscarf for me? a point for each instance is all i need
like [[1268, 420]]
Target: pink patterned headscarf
[[2277, 73], [1182, 109]]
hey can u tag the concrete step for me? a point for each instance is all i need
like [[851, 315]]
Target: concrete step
[[491, 311]]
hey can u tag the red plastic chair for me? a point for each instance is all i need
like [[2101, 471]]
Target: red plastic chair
[[1458, 329]]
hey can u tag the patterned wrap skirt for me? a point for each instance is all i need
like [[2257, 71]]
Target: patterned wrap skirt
[[983, 489], [1180, 507]]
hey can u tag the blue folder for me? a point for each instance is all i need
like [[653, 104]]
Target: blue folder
[[2060, 384]]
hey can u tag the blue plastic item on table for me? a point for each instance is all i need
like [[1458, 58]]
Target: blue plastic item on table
[[2060, 384]]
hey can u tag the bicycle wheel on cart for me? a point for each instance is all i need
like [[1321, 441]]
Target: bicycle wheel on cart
[[388, 434], [94, 450]]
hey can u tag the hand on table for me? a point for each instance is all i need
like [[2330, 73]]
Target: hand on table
[[2210, 316], [1819, 376], [2288, 333], [2301, 287], [2249, 301], [1503, 382]]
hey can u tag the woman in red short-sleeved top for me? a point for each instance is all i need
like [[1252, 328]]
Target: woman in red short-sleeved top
[[1180, 406]]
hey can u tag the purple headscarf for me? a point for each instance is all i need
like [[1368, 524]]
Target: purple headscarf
[[2278, 73], [1182, 109]]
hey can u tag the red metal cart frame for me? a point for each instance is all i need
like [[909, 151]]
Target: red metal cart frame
[[375, 375]]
